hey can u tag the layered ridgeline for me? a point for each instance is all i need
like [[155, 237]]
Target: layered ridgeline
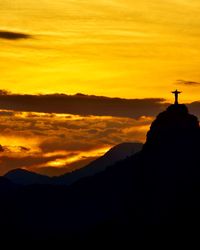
[[160, 185], [115, 154]]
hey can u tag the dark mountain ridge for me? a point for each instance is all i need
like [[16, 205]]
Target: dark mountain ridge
[[115, 154], [153, 194], [24, 177]]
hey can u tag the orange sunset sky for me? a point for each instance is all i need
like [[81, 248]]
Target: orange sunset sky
[[113, 48]]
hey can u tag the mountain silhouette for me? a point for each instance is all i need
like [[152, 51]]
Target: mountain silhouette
[[173, 126], [151, 195], [24, 177], [115, 154], [6, 185], [170, 165]]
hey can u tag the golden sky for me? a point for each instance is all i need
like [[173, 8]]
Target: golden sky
[[124, 48], [113, 48]]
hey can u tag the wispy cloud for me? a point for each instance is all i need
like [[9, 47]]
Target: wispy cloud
[[187, 83], [10, 35]]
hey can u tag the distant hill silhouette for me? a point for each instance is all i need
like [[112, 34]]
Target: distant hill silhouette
[[153, 194], [24, 177], [115, 154]]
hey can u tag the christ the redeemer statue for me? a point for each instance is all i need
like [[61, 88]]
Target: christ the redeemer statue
[[176, 93]]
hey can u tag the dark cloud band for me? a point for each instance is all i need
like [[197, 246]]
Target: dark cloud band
[[79, 104], [9, 35]]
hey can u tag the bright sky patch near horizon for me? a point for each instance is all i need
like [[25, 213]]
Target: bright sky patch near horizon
[[124, 48]]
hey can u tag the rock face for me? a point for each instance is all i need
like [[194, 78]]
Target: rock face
[[170, 165], [173, 141], [173, 127]]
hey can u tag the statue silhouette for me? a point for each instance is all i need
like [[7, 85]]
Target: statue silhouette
[[176, 93]]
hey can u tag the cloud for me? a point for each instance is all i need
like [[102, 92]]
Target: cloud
[[6, 113], [56, 144], [52, 171], [80, 104], [29, 140], [187, 83], [15, 161], [10, 35]]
